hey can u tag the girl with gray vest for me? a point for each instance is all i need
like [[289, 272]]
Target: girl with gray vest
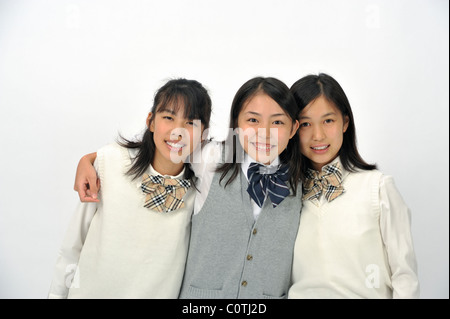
[[247, 209]]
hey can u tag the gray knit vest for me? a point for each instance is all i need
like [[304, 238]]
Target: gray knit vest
[[233, 256]]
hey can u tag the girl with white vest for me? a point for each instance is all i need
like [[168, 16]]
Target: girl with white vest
[[132, 241], [354, 239]]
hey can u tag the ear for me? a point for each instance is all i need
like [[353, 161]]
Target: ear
[[294, 129], [346, 123], [204, 134], [150, 122]]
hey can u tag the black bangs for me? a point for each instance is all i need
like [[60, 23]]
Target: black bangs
[[173, 104], [279, 92], [273, 87]]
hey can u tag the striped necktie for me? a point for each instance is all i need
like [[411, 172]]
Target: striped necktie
[[265, 180]]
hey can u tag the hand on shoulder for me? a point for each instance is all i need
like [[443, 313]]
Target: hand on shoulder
[[87, 184]]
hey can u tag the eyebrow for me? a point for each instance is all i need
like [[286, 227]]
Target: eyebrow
[[325, 115], [272, 115], [167, 111]]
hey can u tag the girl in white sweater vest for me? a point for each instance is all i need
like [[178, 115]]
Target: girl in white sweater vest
[[133, 242], [354, 239]]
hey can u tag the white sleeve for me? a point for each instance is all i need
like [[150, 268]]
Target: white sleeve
[[69, 253], [395, 224], [206, 158], [204, 165]]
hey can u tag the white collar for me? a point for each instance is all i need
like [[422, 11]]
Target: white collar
[[248, 160], [335, 161], [152, 171], [343, 170]]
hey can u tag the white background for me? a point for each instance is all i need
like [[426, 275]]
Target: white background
[[75, 73]]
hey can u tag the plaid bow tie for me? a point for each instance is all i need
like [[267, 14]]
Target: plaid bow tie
[[271, 180], [328, 181], [164, 194]]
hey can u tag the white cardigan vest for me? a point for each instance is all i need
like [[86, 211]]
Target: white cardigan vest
[[340, 252], [129, 251]]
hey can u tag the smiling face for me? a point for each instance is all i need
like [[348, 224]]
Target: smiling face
[[322, 129], [175, 138], [264, 128]]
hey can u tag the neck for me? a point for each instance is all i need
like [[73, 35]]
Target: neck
[[318, 166], [167, 167], [249, 159]]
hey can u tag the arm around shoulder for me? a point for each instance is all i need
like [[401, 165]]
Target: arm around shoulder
[[87, 183], [206, 158]]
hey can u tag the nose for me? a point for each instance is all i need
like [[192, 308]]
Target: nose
[[176, 133], [264, 131], [318, 133]]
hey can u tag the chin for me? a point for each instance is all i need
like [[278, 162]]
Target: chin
[[266, 159]]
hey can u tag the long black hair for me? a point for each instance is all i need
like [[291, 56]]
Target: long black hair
[[195, 100], [309, 88], [280, 93]]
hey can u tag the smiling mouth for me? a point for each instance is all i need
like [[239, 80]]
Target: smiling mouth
[[175, 146], [263, 147], [320, 148]]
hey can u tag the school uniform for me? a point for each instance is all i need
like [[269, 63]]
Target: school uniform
[[238, 249], [358, 245], [118, 248]]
